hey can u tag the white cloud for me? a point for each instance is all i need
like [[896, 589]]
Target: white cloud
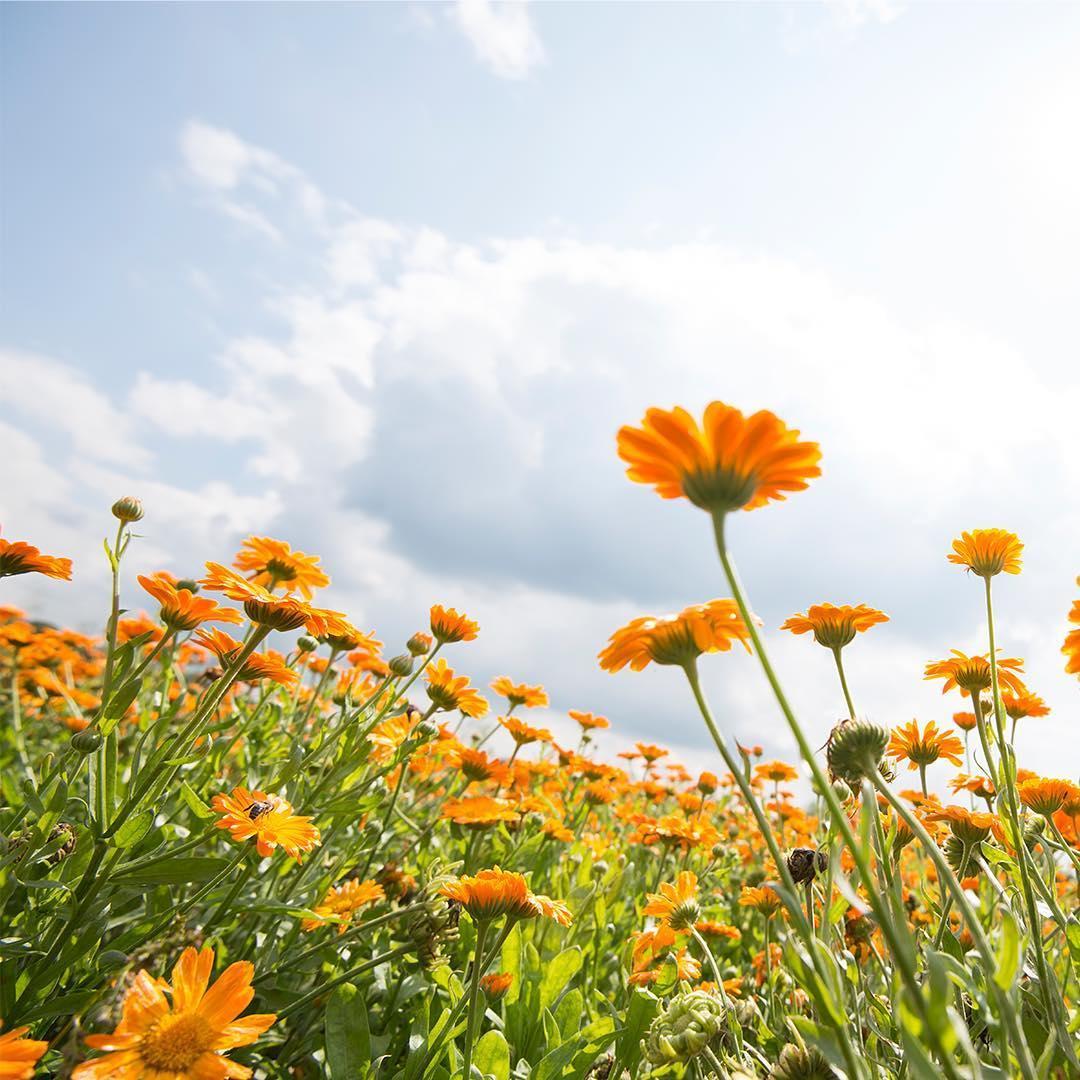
[[502, 35]]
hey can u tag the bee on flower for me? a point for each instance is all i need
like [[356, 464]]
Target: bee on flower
[[269, 819]]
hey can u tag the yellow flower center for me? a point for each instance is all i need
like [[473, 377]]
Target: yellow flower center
[[175, 1043]]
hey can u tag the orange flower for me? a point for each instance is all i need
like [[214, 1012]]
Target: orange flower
[[776, 771], [476, 765], [342, 902], [965, 721], [587, 721], [18, 1054], [271, 563], [494, 893], [675, 905], [182, 1039], [675, 639], [710, 928], [262, 606], [982, 786], [479, 811], [523, 733], [449, 691], [181, 609], [925, 747], [972, 673], [834, 627], [496, 984], [763, 899], [269, 665], [968, 826], [1024, 704], [1071, 648], [728, 462], [531, 697], [1045, 796], [18, 557], [449, 625], [269, 818], [987, 552]]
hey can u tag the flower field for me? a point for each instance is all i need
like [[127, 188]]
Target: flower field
[[241, 836]]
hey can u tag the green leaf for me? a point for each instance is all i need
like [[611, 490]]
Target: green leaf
[[173, 872], [639, 1015], [63, 1005], [491, 1055], [1008, 953], [122, 699], [569, 1013], [558, 973], [348, 1041], [511, 962], [195, 804], [134, 829]]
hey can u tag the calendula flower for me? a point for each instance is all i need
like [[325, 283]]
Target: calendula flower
[[1046, 796], [676, 639], [965, 721], [523, 733], [496, 983], [1024, 704], [764, 900], [262, 606], [476, 765], [479, 811], [273, 562], [258, 666], [18, 1054], [971, 674], [268, 818], [834, 627], [342, 902], [531, 697], [18, 557], [587, 721], [968, 826], [776, 771], [711, 928], [729, 462], [493, 893], [982, 786], [922, 748], [987, 552], [181, 609], [675, 904], [449, 625], [185, 1038], [449, 691], [1071, 648]]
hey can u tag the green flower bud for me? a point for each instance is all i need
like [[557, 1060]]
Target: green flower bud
[[111, 960], [684, 1028], [401, 665], [855, 749], [127, 509], [86, 741], [306, 644], [802, 1063]]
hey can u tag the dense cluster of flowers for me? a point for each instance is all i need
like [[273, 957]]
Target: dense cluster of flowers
[[407, 888]]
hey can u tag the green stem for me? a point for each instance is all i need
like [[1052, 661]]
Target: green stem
[[474, 992], [843, 681]]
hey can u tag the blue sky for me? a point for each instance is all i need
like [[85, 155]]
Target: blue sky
[[384, 280]]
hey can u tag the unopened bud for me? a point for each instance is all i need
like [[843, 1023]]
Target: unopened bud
[[190, 584], [111, 960], [127, 509], [419, 644], [401, 665], [306, 644], [86, 741]]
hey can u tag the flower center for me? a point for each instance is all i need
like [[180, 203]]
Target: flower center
[[175, 1043]]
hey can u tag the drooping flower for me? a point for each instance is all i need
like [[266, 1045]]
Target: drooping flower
[[1046, 796], [452, 692], [531, 697], [19, 557], [730, 461], [675, 904], [258, 666], [449, 625], [343, 902], [493, 893], [987, 552], [271, 563], [181, 609], [18, 1054], [262, 606], [972, 673], [676, 639], [268, 818], [832, 626], [922, 748], [184, 1039]]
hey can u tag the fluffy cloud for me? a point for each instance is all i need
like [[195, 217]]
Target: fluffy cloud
[[437, 420], [501, 34]]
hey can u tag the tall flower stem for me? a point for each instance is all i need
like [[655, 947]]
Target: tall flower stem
[[474, 993], [843, 682]]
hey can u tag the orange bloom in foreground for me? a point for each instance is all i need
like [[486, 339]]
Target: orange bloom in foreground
[[1071, 648], [269, 818], [987, 552], [730, 461], [181, 609], [493, 893], [675, 639], [925, 747], [531, 697], [1045, 796], [271, 563], [270, 665], [182, 1039], [972, 673], [449, 625], [479, 811], [675, 904], [343, 901], [18, 1054], [968, 826], [18, 557], [262, 606], [832, 626], [449, 691]]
